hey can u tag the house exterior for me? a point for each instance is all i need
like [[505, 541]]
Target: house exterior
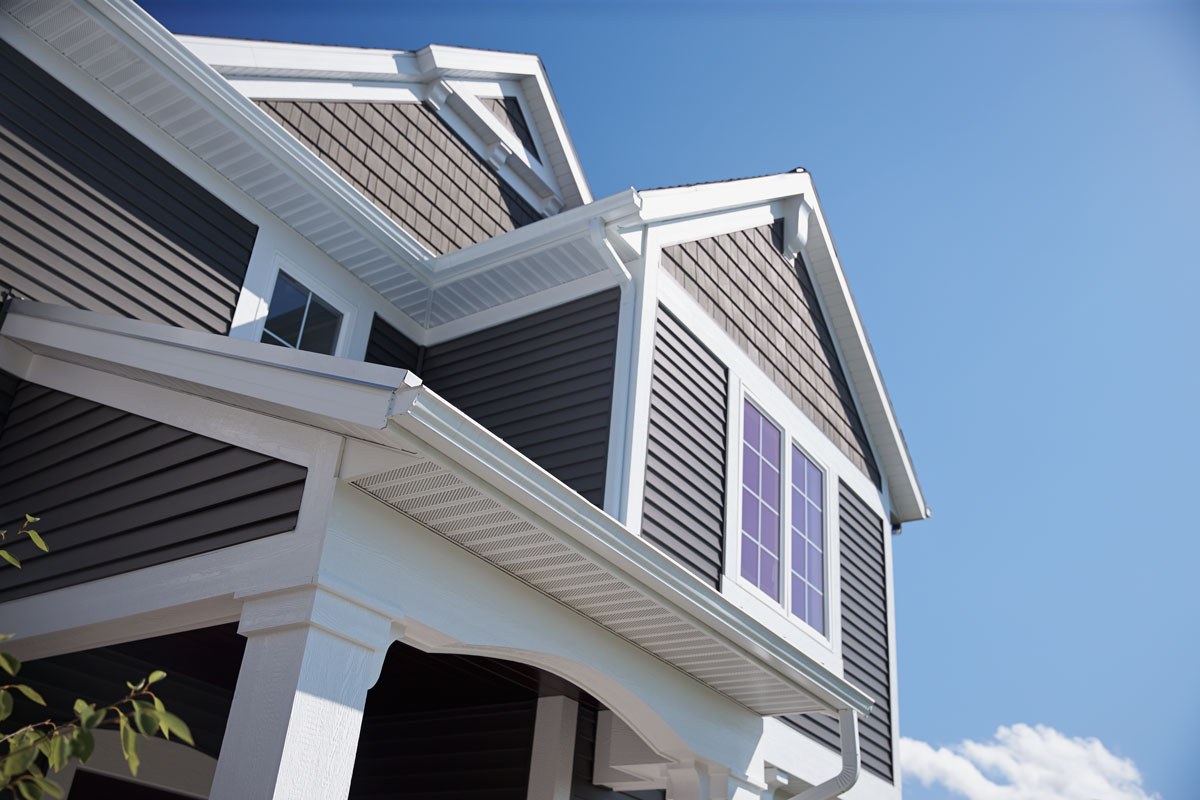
[[423, 472]]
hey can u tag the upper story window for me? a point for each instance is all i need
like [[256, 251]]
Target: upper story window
[[766, 555], [299, 319], [807, 561], [760, 501]]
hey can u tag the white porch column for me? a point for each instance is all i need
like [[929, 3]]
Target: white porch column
[[311, 656], [553, 749]]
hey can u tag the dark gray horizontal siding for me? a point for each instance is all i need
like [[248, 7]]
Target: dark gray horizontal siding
[[768, 306], [481, 752], [403, 158], [116, 492], [392, 348], [8, 390], [543, 383], [684, 507], [865, 651], [582, 786], [91, 217]]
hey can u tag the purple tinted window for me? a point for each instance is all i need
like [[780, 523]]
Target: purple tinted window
[[807, 541], [760, 501]]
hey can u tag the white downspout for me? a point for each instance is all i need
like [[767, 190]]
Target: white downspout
[[851, 761]]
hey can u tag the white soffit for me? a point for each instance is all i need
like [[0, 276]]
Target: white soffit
[[807, 231], [462, 482]]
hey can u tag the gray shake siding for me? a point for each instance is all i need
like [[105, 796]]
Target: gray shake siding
[[864, 633], [768, 306], [411, 165], [684, 508], [508, 111], [91, 217], [543, 383], [117, 492]]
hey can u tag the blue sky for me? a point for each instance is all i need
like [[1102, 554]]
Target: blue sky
[[1014, 189]]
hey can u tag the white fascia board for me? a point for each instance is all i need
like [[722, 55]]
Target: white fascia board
[[392, 408], [157, 46], [247, 54], [904, 490], [680, 202], [448, 60], [532, 238], [561, 140]]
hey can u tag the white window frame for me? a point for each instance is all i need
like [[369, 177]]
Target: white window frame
[[319, 289], [788, 438]]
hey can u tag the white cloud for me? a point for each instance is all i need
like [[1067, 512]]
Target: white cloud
[[1025, 762]]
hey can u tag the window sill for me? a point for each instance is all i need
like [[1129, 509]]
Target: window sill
[[747, 598]]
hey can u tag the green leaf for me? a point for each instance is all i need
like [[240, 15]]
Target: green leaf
[[20, 757], [37, 540], [129, 745], [6, 704], [155, 676], [60, 751], [173, 724], [9, 663], [7, 556], [158, 704], [30, 693], [89, 715], [49, 787], [82, 744], [29, 790], [6, 636], [30, 519], [146, 719]]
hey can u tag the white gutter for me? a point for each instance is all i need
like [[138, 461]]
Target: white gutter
[[851, 762]]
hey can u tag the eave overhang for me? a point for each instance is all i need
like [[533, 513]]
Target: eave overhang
[[418, 454]]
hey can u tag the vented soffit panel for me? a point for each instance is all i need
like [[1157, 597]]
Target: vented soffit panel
[[432, 463]]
